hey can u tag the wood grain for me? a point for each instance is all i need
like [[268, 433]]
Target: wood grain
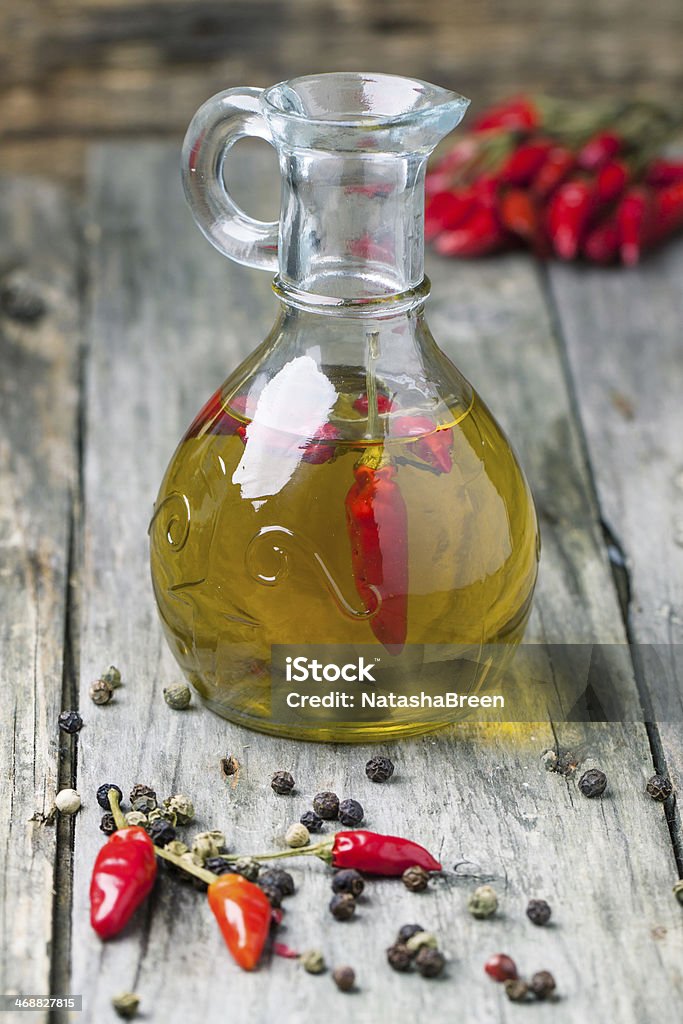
[[38, 490], [169, 319]]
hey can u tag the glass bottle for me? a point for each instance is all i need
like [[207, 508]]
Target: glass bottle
[[345, 490]]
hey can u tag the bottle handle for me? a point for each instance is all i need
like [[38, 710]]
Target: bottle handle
[[217, 125]]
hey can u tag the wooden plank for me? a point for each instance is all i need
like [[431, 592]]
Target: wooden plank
[[39, 256], [623, 338], [169, 319]]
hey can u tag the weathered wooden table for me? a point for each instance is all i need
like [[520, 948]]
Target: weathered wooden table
[[585, 369]]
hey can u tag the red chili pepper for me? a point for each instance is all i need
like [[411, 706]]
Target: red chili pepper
[[431, 445], [376, 854], [524, 162], [243, 913], [480, 234], [664, 172], [122, 877], [446, 210], [568, 214], [668, 211], [517, 114], [444, 173], [602, 242], [384, 404], [377, 524], [519, 214], [217, 418], [633, 222], [598, 150], [321, 448], [611, 181], [558, 163]]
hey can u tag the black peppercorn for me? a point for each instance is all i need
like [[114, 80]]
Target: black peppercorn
[[343, 906], [592, 783], [219, 865], [415, 879], [161, 832], [70, 721], [351, 813], [142, 791], [108, 825], [282, 782], [348, 880], [344, 978], [407, 931], [659, 788], [430, 962], [399, 957], [272, 892], [326, 805], [103, 795], [379, 769], [516, 990], [542, 984], [312, 821], [538, 911], [280, 878]]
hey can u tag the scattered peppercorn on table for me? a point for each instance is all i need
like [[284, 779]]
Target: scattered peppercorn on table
[[108, 344]]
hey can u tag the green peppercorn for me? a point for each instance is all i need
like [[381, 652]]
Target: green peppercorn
[[162, 832], [126, 1004], [678, 891], [351, 813], [483, 902], [516, 990], [178, 697], [326, 805], [430, 962], [103, 795], [100, 692], [593, 782], [144, 803], [538, 912], [344, 978], [249, 868], [312, 821], [379, 769], [182, 807], [162, 813], [208, 844], [420, 939], [139, 790], [415, 879], [297, 835], [313, 961], [542, 984], [407, 931], [282, 783], [348, 880], [112, 676], [70, 721], [659, 788], [177, 847], [136, 819], [399, 957], [342, 906], [108, 824], [280, 878]]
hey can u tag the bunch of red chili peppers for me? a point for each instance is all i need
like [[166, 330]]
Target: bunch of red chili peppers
[[562, 181]]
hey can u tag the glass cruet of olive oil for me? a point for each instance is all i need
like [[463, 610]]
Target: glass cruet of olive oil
[[345, 487]]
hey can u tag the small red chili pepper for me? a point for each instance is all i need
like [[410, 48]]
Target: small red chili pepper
[[377, 524], [430, 444], [633, 217], [519, 214], [611, 181], [524, 162], [598, 150], [602, 242], [217, 419], [664, 172], [517, 114], [446, 210], [568, 215], [384, 404], [243, 913], [368, 248], [443, 175], [668, 211], [321, 447], [480, 234], [123, 876], [558, 163], [376, 854], [501, 967]]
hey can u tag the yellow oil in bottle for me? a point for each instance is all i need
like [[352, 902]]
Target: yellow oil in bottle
[[234, 575]]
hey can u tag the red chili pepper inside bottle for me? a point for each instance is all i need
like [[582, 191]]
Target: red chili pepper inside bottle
[[243, 913], [122, 878]]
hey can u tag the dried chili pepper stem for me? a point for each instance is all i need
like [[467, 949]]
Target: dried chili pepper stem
[[116, 809], [191, 869]]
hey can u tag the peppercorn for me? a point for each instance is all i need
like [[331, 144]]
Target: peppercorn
[[103, 795], [516, 990], [312, 821], [126, 1004], [483, 902], [678, 891], [420, 940], [249, 868], [178, 697], [430, 962], [177, 847], [161, 832], [101, 692], [351, 813], [348, 880], [538, 912], [139, 790], [112, 676], [343, 906], [144, 803], [415, 879], [297, 835], [593, 782], [501, 967], [344, 978], [159, 813], [219, 866], [407, 931], [181, 807], [659, 788], [399, 957], [208, 844], [379, 769], [282, 783], [136, 819], [280, 878], [313, 961], [70, 721], [68, 801], [108, 824], [542, 984], [272, 892], [326, 805]]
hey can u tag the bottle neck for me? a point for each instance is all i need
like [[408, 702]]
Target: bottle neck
[[352, 225]]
